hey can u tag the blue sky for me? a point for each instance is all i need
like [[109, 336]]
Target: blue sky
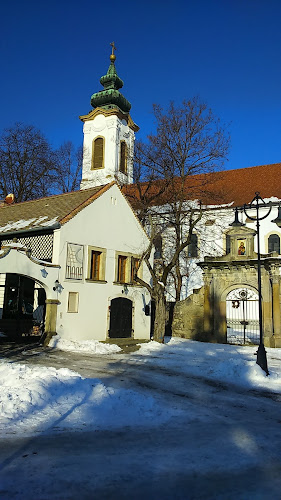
[[226, 51]]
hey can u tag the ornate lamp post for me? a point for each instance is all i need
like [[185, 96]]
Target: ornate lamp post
[[256, 204]]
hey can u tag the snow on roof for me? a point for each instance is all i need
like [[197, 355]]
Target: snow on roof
[[45, 212]]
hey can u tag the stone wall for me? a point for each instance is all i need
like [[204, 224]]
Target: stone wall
[[188, 317]]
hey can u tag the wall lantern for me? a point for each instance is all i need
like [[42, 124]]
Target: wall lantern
[[58, 287], [277, 221]]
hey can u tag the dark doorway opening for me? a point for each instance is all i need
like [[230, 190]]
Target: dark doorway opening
[[120, 325], [23, 311]]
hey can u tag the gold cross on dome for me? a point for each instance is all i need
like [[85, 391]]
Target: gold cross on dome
[[113, 48]]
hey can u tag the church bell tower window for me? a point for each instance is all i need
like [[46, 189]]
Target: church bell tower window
[[123, 157], [98, 153]]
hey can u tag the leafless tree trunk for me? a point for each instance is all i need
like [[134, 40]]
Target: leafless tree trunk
[[189, 140]]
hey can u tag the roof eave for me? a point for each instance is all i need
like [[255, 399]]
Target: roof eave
[[47, 229]]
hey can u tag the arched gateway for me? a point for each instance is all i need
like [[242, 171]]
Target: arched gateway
[[225, 309], [22, 306], [242, 316], [28, 297]]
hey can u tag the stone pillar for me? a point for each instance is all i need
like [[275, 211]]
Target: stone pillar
[[221, 324], [276, 311], [50, 319], [208, 330]]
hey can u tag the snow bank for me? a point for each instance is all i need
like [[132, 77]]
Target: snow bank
[[41, 399], [220, 362], [90, 346]]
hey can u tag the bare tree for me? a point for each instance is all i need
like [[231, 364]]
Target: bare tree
[[189, 140], [26, 163], [68, 167], [30, 168]]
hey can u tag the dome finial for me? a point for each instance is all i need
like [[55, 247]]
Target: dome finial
[[112, 55], [110, 97]]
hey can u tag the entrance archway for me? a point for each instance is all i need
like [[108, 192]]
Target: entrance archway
[[120, 325], [22, 306], [242, 316]]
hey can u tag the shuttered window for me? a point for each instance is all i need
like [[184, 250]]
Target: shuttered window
[[95, 265], [123, 157], [98, 153], [121, 271], [135, 264]]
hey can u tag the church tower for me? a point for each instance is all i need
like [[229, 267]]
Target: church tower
[[109, 134]]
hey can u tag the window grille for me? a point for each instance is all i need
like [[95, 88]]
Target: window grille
[[74, 261], [41, 246]]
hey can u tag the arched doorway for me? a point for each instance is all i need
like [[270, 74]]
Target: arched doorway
[[242, 316], [120, 325], [22, 306]]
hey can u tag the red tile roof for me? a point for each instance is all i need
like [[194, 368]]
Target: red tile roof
[[229, 186]]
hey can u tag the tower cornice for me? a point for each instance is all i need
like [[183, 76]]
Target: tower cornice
[[110, 112]]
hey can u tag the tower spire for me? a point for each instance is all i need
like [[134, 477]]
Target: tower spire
[[109, 133], [110, 97]]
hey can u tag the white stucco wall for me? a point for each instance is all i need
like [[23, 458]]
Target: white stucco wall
[[107, 223]]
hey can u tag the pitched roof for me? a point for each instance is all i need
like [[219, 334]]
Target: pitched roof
[[44, 213], [234, 187]]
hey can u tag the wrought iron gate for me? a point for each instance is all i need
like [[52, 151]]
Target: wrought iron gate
[[242, 316]]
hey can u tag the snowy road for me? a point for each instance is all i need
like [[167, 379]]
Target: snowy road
[[222, 441]]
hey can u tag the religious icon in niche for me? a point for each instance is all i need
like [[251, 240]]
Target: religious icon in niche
[[241, 247]]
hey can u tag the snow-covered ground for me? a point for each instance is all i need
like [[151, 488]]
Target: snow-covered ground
[[194, 392]]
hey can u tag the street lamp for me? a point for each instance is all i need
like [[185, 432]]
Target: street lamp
[[257, 203]]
